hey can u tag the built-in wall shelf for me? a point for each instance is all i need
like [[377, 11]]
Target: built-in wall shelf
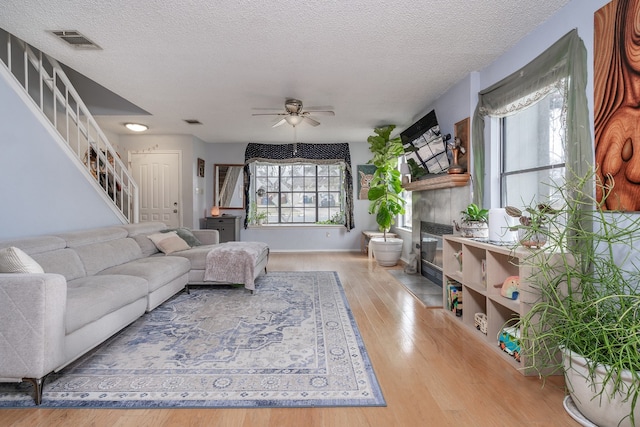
[[442, 181]]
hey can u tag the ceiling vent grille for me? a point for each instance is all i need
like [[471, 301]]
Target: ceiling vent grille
[[75, 39]]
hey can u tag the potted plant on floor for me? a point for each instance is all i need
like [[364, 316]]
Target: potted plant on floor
[[384, 193], [474, 222], [587, 305]]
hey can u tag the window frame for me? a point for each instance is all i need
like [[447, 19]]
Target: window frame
[[276, 192]]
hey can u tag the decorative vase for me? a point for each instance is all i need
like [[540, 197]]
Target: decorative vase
[[387, 253], [603, 410], [532, 239]]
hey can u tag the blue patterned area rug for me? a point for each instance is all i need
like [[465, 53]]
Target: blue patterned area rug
[[293, 343]]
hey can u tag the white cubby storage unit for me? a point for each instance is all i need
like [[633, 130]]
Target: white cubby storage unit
[[483, 266]]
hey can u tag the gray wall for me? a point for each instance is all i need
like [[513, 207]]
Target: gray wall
[[41, 188]]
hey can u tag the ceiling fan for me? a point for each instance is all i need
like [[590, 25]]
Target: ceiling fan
[[294, 115]]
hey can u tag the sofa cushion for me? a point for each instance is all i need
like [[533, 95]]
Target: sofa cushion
[[62, 261], [147, 247], [144, 228], [35, 245], [197, 256], [186, 235], [90, 298], [14, 260], [99, 256], [157, 271], [169, 242], [95, 235]]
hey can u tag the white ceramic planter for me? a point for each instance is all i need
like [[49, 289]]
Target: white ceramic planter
[[474, 229], [386, 253], [604, 410]]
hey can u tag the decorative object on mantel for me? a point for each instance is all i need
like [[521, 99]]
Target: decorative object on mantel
[[463, 143], [384, 193], [456, 150]]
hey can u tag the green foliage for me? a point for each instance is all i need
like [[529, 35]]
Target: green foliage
[[386, 185], [588, 286], [255, 216], [337, 218], [474, 213]]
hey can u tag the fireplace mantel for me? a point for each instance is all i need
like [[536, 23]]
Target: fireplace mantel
[[443, 181]]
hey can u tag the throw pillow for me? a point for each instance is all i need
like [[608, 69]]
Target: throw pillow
[[186, 235], [169, 242], [15, 260]]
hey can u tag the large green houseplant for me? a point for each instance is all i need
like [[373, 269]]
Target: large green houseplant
[[586, 281], [384, 192]]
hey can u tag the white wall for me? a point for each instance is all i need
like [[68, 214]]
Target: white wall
[[41, 188]]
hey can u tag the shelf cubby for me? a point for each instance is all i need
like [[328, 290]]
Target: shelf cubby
[[484, 269]]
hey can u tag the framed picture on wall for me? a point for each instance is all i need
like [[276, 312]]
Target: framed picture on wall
[[365, 174], [461, 130], [200, 168]]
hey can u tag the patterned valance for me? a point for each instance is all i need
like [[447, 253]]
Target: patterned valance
[[302, 153]]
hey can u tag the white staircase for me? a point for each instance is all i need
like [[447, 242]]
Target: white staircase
[[46, 84]]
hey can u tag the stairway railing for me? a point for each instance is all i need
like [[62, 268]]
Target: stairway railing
[[54, 95]]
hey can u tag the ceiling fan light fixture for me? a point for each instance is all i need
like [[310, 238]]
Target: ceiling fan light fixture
[[136, 127], [293, 120]]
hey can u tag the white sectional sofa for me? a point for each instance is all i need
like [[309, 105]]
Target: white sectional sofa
[[95, 283]]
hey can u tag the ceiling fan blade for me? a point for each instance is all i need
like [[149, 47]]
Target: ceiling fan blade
[[321, 112], [281, 122], [269, 114], [311, 121]]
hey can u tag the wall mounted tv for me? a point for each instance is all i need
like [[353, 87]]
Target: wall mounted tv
[[425, 148]]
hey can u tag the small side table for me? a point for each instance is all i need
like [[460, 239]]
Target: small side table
[[367, 236]]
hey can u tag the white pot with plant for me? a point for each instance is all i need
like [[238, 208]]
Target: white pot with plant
[[587, 310], [474, 222], [384, 193]]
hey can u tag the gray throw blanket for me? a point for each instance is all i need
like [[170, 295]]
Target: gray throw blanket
[[234, 262]]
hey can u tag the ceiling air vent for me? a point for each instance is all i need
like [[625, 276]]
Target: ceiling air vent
[[75, 39], [193, 121]]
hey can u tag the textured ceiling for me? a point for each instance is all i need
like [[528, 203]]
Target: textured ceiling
[[372, 62]]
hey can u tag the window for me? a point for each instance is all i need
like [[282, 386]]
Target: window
[[298, 193], [533, 150]]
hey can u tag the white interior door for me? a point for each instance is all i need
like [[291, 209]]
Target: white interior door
[[158, 176]]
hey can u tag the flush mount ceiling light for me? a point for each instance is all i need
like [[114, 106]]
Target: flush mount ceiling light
[[136, 127]]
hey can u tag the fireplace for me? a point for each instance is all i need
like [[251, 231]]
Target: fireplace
[[431, 249]]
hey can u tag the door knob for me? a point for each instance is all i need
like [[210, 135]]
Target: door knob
[[175, 211]]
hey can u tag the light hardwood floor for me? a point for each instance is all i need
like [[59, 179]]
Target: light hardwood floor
[[431, 371]]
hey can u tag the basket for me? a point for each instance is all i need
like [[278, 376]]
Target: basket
[[481, 322]]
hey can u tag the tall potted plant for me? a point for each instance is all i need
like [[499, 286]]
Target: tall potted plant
[[587, 309], [384, 193]]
